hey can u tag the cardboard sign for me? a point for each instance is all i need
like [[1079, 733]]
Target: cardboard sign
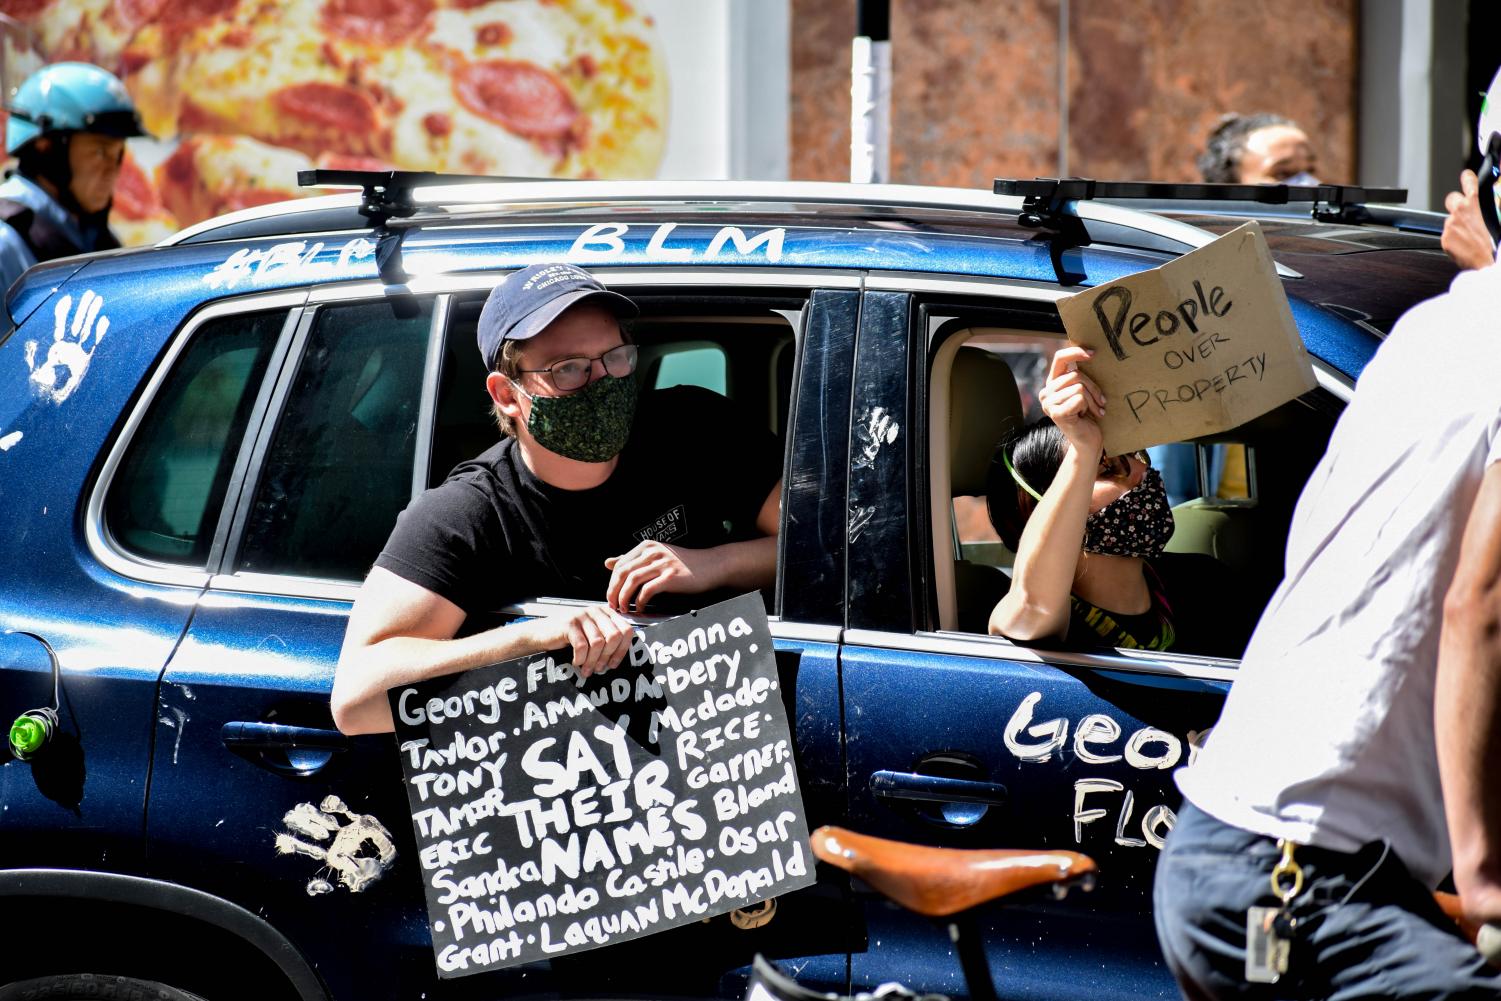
[[1199, 345], [555, 814]]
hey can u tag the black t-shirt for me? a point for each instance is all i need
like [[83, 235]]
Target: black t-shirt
[[694, 473], [1205, 607]]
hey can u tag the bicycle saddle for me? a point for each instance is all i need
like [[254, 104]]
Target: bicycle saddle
[[937, 882]]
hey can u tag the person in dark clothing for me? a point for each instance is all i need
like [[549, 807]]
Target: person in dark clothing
[[67, 129], [1089, 531], [589, 496]]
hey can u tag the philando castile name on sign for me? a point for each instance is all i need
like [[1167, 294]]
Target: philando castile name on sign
[[1197, 346], [555, 814]]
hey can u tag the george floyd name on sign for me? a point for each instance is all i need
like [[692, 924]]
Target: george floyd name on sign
[[1199, 345], [555, 814]]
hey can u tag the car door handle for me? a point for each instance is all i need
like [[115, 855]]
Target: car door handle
[[935, 788], [291, 750]]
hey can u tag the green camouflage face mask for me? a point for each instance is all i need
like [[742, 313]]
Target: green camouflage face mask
[[590, 425]]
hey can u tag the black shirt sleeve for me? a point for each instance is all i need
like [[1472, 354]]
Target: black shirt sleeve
[[448, 540]]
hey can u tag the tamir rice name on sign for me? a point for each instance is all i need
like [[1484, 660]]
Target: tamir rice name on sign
[[555, 814]]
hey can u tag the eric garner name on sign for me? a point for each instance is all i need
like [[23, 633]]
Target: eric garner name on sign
[[556, 814]]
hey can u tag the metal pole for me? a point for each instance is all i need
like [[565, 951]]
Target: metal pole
[[870, 93]]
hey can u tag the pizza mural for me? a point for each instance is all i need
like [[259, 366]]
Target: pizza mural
[[241, 94]]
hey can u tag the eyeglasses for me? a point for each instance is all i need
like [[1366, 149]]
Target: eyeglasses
[[568, 374], [1118, 467]]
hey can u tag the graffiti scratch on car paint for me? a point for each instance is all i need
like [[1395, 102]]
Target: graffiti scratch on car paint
[[291, 262], [860, 517], [345, 854], [1147, 749], [73, 345], [603, 241], [179, 723], [874, 429]]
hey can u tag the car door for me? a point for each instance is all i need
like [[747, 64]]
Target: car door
[[256, 796], [966, 740], [69, 591], [377, 399], [809, 929]]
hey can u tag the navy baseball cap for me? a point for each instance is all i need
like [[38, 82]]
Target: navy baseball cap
[[522, 305]]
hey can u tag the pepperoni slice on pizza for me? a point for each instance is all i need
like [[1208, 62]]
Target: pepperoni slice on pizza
[[541, 88]]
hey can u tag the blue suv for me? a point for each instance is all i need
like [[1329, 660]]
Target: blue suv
[[204, 445]]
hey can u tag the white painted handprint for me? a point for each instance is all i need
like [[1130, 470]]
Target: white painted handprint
[[73, 345]]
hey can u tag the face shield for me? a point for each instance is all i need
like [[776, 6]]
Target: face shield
[[1488, 139]]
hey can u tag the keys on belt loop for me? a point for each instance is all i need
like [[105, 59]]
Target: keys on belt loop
[[1270, 930], [1287, 867]]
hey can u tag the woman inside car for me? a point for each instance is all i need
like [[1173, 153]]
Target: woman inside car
[[1089, 530]]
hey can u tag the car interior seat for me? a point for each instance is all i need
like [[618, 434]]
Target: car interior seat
[[1215, 527], [984, 409]]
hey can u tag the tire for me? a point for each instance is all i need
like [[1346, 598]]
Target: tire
[[91, 987]]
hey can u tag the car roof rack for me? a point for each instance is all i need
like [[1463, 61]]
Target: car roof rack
[[392, 202], [1043, 198], [388, 202], [387, 195]]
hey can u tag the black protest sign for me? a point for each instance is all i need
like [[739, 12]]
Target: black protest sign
[[556, 814], [1197, 346]]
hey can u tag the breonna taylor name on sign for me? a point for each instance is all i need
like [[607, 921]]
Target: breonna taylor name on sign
[[556, 814]]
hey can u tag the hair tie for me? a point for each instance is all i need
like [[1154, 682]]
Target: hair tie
[[1006, 458]]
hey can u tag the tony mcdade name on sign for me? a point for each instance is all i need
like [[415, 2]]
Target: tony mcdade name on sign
[[555, 814]]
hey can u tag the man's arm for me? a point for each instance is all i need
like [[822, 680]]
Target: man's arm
[[400, 632], [653, 568], [1467, 706]]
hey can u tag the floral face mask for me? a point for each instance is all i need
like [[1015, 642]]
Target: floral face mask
[[1137, 523]]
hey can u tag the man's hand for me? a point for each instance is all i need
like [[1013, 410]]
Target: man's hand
[[599, 636], [400, 632], [1465, 238], [654, 567]]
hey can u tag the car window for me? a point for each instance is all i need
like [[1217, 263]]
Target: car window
[[691, 365], [1231, 516], [1026, 356], [739, 348], [164, 502], [338, 469], [1214, 473]]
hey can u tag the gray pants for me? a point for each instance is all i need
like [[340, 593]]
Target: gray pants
[[1366, 928]]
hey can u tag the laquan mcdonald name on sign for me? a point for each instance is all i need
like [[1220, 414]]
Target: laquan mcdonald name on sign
[[556, 814]]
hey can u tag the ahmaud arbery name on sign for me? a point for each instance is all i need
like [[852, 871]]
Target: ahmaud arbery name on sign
[[555, 814], [1197, 346]]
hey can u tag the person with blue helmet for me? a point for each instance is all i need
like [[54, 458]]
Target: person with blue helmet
[[67, 130]]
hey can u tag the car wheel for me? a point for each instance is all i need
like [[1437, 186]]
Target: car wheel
[[91, 986]]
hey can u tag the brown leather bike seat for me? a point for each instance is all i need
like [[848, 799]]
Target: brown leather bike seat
[[938, 882]]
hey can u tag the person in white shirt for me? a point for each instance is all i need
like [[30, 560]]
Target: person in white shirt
[[1354, 748]]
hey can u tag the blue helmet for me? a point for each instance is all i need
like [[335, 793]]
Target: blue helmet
[[70, 97]]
